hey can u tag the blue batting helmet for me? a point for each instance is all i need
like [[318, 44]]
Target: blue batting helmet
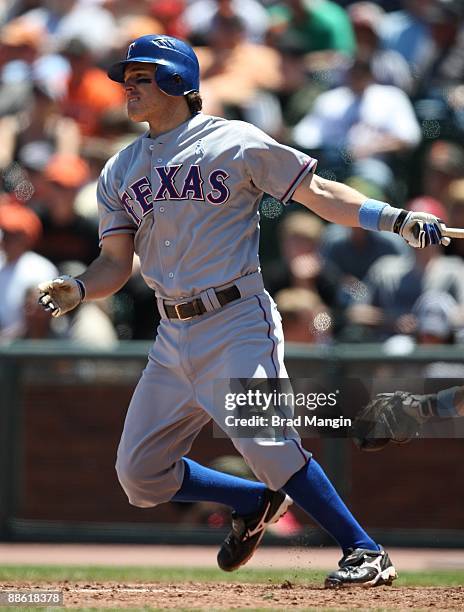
[[177, 70]]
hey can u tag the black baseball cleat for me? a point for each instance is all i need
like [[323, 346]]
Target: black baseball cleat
[[362, 567], [248, 531]]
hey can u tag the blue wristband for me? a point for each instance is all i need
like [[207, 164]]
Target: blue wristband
[[446, 403], [369, 214]]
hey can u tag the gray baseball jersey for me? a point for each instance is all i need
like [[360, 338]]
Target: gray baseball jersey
[[190, 197]]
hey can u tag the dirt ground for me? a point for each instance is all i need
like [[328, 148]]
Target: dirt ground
[[272, 557], [193, 595], [217, 596]]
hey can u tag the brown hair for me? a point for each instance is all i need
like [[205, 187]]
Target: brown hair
[[194, 101]]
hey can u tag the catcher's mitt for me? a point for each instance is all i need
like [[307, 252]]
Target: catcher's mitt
[[391, 417]]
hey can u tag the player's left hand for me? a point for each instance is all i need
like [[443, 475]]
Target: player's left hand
[[391, 417], [60, 295], [421, 230]]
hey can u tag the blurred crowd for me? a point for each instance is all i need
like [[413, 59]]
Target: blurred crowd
[[373, 90]]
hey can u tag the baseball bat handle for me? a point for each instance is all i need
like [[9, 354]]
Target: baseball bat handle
[[454, 232]]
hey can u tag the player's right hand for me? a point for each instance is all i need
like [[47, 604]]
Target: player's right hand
[[421, 230], [60, 295]]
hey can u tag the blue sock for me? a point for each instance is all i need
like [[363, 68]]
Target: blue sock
[[312, 490], [203, 484]]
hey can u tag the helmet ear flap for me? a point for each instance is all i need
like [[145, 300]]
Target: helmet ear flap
[[168, 81]]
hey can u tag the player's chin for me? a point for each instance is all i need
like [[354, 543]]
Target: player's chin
[[134, 113]]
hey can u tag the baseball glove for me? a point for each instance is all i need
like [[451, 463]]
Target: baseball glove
[[391, 417]]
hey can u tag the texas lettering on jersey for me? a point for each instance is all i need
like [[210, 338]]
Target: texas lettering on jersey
[[138, 198]]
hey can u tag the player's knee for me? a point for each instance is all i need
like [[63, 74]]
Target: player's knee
[[131, 480], [273, 463], [145, 487]]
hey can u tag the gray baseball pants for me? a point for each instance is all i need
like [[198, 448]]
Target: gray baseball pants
[[174, 397]]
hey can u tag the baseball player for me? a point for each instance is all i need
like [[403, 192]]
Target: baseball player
[[184, 197], [398, 417]]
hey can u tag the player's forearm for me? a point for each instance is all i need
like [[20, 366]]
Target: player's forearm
[[111, 270], [330, 200], [341, 204], [104, 277]]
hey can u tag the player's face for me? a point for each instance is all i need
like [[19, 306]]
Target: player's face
[[144, 98]]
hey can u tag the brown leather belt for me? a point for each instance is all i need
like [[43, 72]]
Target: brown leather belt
[[195, 308]]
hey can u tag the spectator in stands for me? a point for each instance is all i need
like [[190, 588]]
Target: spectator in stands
[[395, 283], [20, 43], [319, 25], [299, 243], [131, 27], [437, 64], [407, 31], [444, 64], [90, 93], [201, 16], [121, 8], [41, 123], [33, 157], [388, 66], [436, 319], [435, 314], [238, 76], [359, 120], [95, 151], [66, 234], [171, 15], [300, 87], [443, 164], [439, 320], [20, 266], [455, 207], [375, 172], [300, 263], [430, 36], [305, 317], [64, 20]]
